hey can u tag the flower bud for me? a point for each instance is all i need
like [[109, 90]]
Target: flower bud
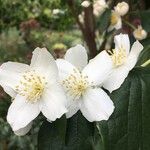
[[139, 33], [85, 4], [122, 8], [99, 7]]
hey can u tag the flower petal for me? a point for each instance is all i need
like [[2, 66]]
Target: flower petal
[[65, 68], [10, 75], [77, 56], [21, 113], [15, 67], [53, 103], [9, 79], [24, 130], [73, 107], [9, 91], [137, 47], [43, 62], [116, 78], [96, 105], [99, 68], [122, 40]]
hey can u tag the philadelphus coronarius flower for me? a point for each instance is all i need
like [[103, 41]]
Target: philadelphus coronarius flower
[[119, 10], [115, 22], [82, 81], [85, 4], [99, 7], [123, 61], [34, 89], [140, 33], [122, 8]]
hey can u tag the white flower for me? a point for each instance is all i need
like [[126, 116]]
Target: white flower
[[121, 8], [82, 81], [140, 33], [115, 22], [34, 89], [123, 59], [99, 7], [85, 4]]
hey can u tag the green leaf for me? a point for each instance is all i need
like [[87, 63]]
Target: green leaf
[[145, 19], [103, 20], [128, 128], [52, 135], [144, 56], [77, 134]]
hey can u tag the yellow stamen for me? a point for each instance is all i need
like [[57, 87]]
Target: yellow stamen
[[118, 56], [31, 86], [114, 18], [76, 84]]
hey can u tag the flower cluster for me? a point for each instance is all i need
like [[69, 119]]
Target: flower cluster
[[64, 86], [118, 11]]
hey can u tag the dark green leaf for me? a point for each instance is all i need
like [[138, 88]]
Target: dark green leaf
[[144, 56], [128, 128], [145, 19], [103, 20], [79, 134], [52, 135]]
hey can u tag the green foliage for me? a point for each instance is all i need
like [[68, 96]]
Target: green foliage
[[145, 19], [75, 133], [13, 12], [128, 127], [104, 20]]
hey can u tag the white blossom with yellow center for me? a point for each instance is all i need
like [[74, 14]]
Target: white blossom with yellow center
[[123, 60], [34, 89], [139, 33], [82, 82], [115, 22]]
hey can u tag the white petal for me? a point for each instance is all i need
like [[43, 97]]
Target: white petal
[[137, 47], [53, 103], [122, 40], [10, 75], [24, 130], [9, 79], [15, 67], [65, 68], [99, 68], [43, 62], [9, 91], [96, 105], [116, 78], [72, 106], [21, 113], [77, 56]]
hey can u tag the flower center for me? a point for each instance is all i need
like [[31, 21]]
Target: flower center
[[118, 56], [76, 84], [31, 86], [114, 18]]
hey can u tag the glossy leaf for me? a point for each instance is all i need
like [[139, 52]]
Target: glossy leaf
[[128, 128]]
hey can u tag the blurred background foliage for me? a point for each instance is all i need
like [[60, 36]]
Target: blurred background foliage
[[25, 25]]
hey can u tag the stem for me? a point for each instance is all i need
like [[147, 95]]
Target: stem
[[129, 24], [146, 63]]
